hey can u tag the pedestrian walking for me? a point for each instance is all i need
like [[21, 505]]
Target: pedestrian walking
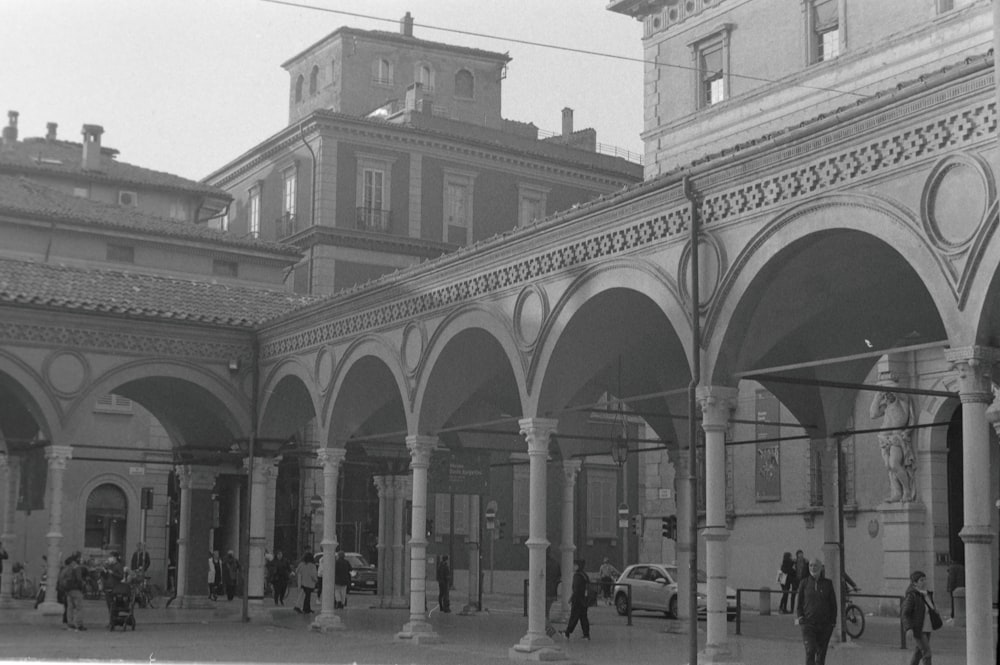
[[341, 580], [817, 613], [578, 601], [306, 574], [786, 577], [607, 574], [214, 575], [230, 574], [444, 583], [801, 572], [71, 581], [279, 570], [956, 580], [140, 561], [918, 614]]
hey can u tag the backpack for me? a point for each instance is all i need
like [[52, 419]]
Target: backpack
[[65, 581]]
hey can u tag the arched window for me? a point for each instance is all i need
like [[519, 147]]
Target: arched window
[[314, 80], [298, 88], [425, 77], [107, 516], [333, 71], [464, 85], [382, 72]]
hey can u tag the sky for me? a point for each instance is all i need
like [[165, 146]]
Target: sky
[[184, 86]]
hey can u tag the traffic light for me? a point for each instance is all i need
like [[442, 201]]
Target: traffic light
[[501, 524], [637, 525], [670, 527], [430, 528]]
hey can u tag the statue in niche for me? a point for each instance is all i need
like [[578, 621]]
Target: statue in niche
[[897, 450]]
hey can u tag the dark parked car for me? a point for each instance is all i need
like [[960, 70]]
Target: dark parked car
[[364, 576]]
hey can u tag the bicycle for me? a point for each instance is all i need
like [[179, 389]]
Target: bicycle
[[854, 616], [147, 594]]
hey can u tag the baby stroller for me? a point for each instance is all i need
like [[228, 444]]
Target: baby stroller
[[121, 606]]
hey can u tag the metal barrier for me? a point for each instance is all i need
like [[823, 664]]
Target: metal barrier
[[766, 592]]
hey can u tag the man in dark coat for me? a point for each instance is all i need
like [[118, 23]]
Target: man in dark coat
[[816, 614], [578, 601], [444, 581], [279, 569]]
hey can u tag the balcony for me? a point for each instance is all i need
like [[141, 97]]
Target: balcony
[[373, 219], [286, 225]]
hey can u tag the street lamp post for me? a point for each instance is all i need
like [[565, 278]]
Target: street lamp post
[[619, 453]]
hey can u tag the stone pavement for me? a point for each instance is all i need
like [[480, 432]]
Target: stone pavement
[[281, 636]]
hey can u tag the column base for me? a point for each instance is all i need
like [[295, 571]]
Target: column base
[[540, 648], [558, 614], [397, 603], [681, 627], [418, 632], [729, 653], [50, 609], [325, 623]]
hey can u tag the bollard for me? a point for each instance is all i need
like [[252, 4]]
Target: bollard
[[765, 601], [958, 596]]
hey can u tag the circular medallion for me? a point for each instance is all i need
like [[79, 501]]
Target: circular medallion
[[324, 368], [67, 372], [710, 267], [530, 311], [955, 202], [414, 339]]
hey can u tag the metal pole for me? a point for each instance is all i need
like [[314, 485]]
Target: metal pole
[[840, 539], [692, 477], [251, 444]]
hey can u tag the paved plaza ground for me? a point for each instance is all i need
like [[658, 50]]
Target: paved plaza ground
[[281, 636]]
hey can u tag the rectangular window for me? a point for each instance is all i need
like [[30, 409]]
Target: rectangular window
[[458, 192], [288, 191], [768, 458], [120, 253], [442, 514], [825, 16], [372, 214], [815, 476], [711, 71], [253, 221], [82, 192], [178, 211], [602, 510], [224, 268], [111, 403], [532, 202]]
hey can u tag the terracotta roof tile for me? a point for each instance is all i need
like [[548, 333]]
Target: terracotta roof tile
[[141, 295], [20, 196], [65, 158]]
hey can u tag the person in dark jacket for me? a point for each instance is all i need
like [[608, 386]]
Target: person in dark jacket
[[279, 569], [788, 570], [444, 582], [578, 601], [914, 617], [341, 580], [230, 574], [817, 613]]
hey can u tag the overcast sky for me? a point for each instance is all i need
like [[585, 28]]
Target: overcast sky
[[184, 86]]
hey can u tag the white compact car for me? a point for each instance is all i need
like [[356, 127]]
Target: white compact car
[[654, 587]]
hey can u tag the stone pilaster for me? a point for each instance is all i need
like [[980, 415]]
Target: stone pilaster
[[57, 457], [418, 630], [192, 547], [331, 459], [536, 645], [717, 406], [973, 365], [10, 468], [567, 548]]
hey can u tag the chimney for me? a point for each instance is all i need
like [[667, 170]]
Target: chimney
[[567, 121], [10, 131], [406, 25], [92, 147], [415, 97], [50, 134]]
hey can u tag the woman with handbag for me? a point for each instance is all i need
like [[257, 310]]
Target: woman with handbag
[[786, 579], [918, 614]]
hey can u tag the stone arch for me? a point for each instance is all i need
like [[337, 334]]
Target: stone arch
[[20, 380], [282, 409], [79, 507], [366, 349], [491, 323], [210, 404]]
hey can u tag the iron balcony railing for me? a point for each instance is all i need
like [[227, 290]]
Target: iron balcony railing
[[374, 219], [286, 225]]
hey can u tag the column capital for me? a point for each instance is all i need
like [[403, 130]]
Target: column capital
[[538, 432], [382, 484], [570, 469], [974, 366], [331, 457], [420, 446], [195, 478], [717, 405], [58, 456]]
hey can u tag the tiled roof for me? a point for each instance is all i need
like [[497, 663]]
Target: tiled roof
[[65, 158], [140, 295], [20, 196]]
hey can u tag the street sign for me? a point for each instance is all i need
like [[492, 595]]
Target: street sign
[[623, 509], [623, 523], [491, 515], [459, 472]]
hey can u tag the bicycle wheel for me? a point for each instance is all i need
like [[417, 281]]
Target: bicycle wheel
[[854, 621]]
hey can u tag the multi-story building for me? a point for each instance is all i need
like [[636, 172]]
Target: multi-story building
[[396, 152]]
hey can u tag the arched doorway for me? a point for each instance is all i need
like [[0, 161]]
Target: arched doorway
[[107, 518]]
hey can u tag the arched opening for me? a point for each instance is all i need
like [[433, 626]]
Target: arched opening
[[464, 84], [107, 518], [298, 88], [314, 80]]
